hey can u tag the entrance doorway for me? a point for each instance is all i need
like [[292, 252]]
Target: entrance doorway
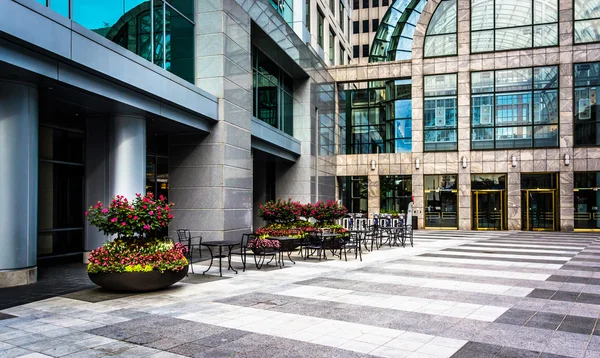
[[488, 209], [441, 202], [539, 210]]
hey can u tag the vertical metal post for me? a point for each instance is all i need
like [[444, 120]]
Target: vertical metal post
[[151, 31], [164, 34]]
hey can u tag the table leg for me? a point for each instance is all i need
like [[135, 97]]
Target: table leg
[[211, 260], [229, 259], [220, 261]]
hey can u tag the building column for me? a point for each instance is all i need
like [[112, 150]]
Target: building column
[[374, 201], [514, 200], [18, 183]]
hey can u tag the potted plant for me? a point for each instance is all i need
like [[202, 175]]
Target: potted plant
[[133, 261], [259, 245]]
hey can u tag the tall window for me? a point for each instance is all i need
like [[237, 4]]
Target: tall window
[[365, 25], [441, 32], [375, 24], [440, 124], [320, 27], [365, 4], [355, 4], [375, 3], [341, 53], [355, 27], [385, 2], [500, 25], [396, 193], [342, 16], [354, 192], [515, 108], [307, 13], [331, 46], [587, 110], [356, 51], [272, 93], [365, 50], [587, 21], [332, 6]]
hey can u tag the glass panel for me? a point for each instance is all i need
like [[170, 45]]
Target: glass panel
[[587, 74], [288, 113], [587, 200], [545, 11], [511, 13], [587, 133], [440, 112], [513, 109], [440, 45], [587, 9], [441, 209], [440, 182], [483, 110], [60, 6], [482, 82], [488, 181], [513, 137], [396, 193], [514, 80], [545, 35], [545, 77], [538, 181], [443, 20], [482, 41], [587, 31], [440, 85], [440, 140], [61, 145], [180, 44], [482, 138], [545, 106], [60, 243], [482, 14], [545, 136], [514, 38]]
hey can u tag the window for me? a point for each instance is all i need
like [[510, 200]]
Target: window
[[332, 6], [272, 93], [500, 25], [365, 26], [354, 193], [441, 35], [587, 200], [385, 2], [342, 54], [375, 24], [375, 3], [587, 110], [331, 46], [366, 4], [307, 13], [320, 29], [440, 117], [587, 21], [356, 51], [355, 27], [356, 4], [396, 193], [365, 50], [515, 108], [342, 16]]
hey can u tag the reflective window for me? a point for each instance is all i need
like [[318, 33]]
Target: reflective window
[[441, 32], [272, 93], [500, 25], [587, 200], [354, 192], [587, 110], [440, 113], [307, 14], [587, 21], [320, 28], [515, 108], [331, 47], [396, 193]]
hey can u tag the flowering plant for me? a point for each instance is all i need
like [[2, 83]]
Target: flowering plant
[[131, 219], [280, 211], [327, 212], [260, 243], [138, 255]]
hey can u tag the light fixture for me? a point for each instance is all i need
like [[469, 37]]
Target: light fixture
[[417, 164], [567, 159], [372, 164], [464, 162], [514, 161]]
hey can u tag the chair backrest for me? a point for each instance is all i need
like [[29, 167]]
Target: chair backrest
[[184, 236], [246, 238]]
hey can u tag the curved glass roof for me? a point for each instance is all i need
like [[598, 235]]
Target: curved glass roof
[[394, 37]]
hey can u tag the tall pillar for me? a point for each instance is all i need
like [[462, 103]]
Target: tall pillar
[[18, 183], [374, 201], [127, 156]]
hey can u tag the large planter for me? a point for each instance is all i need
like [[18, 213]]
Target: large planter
[[137, 281]]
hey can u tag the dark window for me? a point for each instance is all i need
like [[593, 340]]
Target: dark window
[[355, 27], [587, 110], [365, 51], [385, 2], [320, 25], [355, 51], [356, 4], [365, 4], [354, 192], [375, 24], [396, 193], [365, 26], [375, 3]]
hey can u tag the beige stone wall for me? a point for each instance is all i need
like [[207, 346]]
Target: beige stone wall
[[494, 161]]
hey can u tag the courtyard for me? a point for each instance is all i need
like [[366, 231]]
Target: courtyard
[[454, 294]]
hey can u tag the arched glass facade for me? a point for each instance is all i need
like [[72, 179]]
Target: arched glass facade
[[441, 36], [394, 36], [500, 25]]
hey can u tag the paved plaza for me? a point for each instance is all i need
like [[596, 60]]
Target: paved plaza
[[454, 294]]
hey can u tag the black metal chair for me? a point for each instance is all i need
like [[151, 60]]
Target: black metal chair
[[185, 237], [242, 251], [314, 243], [371, 236], [352, 241]]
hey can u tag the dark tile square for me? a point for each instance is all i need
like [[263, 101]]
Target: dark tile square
[[557, 278], [219, 339], [577, 279], [577, 324], [94, 295], [567, 296], [477, 350], [589, 298], [545, 320], [189, 349], [550, 355], [594, 281], [507, 352], [515, 316], [540, 293]]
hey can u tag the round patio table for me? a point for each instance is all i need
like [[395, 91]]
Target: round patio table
[[220, 244]]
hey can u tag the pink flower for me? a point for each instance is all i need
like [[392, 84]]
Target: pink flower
[[146, 227], [86, 213], [113, 220], [151, 213], [123, 223], [104, 211]]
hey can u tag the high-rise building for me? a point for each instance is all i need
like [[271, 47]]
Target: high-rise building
[[366, 17]]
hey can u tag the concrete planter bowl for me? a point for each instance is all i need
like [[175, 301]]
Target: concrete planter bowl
[[137, 281]]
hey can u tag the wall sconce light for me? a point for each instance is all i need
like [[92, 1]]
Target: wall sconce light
[[567, 159], [514, 161], [372, 164], [464, 162], [417, 164]]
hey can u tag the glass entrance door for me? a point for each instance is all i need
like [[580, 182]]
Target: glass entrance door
[[441, 209], [488, 210], [538, 211]]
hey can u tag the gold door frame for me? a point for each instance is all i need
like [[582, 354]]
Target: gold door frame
[[580, 216], [551, 191], [442, 214], [502, 198]]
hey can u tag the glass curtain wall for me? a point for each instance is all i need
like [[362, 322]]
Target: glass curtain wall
[[285, 8], [354, 193], [500, 25], [515, 108], [378, 117], [272, 93], [488, 202], [440, 114], [587, 200], [396, 193], [441, 38], [441, 201], [162, 32], [587, 114], [587, 21]]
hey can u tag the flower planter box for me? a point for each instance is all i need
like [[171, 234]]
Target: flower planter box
[[137, 281]]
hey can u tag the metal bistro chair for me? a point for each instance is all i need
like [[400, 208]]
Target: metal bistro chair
[[314, 243], [242, 251], [352, 241], [185, 237], [372, 236]]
